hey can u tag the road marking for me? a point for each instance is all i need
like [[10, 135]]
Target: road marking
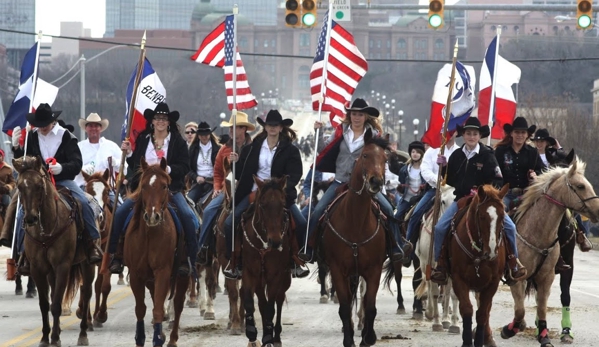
[[583, 292], [120, 295]]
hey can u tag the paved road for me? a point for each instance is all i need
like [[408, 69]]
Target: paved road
[[305, 321]]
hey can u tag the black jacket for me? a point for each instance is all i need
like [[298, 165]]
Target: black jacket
[[286, 161], [194, 153], [464, 174], [514, 166], [68, 154], [177, 157]]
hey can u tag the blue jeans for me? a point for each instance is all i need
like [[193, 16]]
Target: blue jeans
[[508, 224], [5, 200], [88, 213], [239, 209], [319, 209], [198, 191], [387, 209], [425, 204], [210, 212], [300, 224]]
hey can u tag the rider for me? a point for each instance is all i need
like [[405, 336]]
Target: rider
[[202, 152], [271, 154], [468, 168], [160, 139], [242, 139], [339, 155], [50, 141], [412, 184], [7, 181], [190, 132]]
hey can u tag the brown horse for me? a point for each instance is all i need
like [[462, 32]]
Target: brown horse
[[57, 262], [537, 220], [353, 241], [150, 242], [266, 254], [478, 255]]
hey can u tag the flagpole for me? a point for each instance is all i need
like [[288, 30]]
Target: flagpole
[[234, 114], [33, 86], [493, 82], [323, 87], [437, 204], [119, 181]]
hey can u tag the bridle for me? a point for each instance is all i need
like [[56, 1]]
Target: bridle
[[582, 202], [364, 180], [45, 180], [161, 210]]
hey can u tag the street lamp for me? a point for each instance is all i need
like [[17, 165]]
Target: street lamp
[[400, 114], [416, 121], [222, 119], [387, 120]]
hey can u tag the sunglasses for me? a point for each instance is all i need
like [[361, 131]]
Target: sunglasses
[[161, 119], [190, 132]]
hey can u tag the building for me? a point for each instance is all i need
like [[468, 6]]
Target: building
[[17, 15], [69, 46], [148, 15], [46, 53], [259, 12]]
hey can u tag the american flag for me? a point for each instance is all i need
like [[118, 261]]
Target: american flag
[[217, 50], [345, 68]]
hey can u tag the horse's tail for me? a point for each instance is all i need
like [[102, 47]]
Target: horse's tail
[[73, 283], [389, 274], [422, 289]]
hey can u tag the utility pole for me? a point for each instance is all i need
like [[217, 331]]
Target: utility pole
[[82, 96]]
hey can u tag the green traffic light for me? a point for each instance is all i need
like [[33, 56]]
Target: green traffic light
[[584, 21], [435, 21], [308, 19]]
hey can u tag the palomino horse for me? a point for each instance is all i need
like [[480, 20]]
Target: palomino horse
[[266, 254], [57, 263], [353, 241], [537, 220], [477, 253], [150, 242]]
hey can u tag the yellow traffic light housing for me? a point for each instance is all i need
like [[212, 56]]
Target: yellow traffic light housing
[[292, 13], [584, 14], [308, 13], [435, 13]]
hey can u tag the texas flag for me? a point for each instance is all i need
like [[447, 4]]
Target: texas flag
[[462, 101], [21, 105], [505, 102], [150, 93]]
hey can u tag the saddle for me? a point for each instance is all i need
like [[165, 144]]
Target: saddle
[[73, 206]]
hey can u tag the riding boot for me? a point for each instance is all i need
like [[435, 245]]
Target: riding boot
[[297, 270], [233, 268], [116, 260], [23, 267], [561, 265], [95, 256], [516, 272], [583, 242], [439, 274], [203, 256], [7, 228]]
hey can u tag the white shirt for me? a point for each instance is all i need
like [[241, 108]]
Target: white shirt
[[352, 144], [414, 181], [391, 179], [265, 162], [97, 154], [204, 163], [151, 156], [544, 159], [429, 169], [472, 153], [49, 143]]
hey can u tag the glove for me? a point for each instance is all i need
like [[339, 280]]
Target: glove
[[89, 169], [442, 160], [56, 169], [16, 135]]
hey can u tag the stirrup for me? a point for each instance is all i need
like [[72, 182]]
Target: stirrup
[[232, 272], [299, 272]]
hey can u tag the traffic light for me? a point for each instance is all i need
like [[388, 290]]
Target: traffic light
[[308, 13], [584, 13], [292, 13], [435, 13]]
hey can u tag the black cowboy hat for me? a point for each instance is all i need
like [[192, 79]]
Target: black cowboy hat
[[42, 116], [519, 123], [274, 118], [543, 135], [473, 123], [416, 145], [362, 106], [161, 108], [69, 127], [204, 129]]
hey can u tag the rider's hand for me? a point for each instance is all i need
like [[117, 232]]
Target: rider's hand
[[126, 146], [233, 157], [317, 125], [88, 169], [55, 169], [16, 135], [216, 193], [532, 176], [442, 160], [200, 180]]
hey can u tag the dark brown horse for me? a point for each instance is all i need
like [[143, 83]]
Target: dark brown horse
[[353, 241], [57, 263], [150, 242], [266, 254], [478, 255]]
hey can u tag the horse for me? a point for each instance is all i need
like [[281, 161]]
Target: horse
[[57, 261], [351, 239], [149, 252], [537, 219], [266, 253]]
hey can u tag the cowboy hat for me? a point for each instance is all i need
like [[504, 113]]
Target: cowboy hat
[[241, 120], [93, 118], [473, 123], [543, 135], [161, 108], [69, 127], [274, 118], [42, 116], [362, 106], [519, 123], [204, 129]]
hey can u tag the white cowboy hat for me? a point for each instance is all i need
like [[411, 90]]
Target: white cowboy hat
[[241, 120], [94, 118]]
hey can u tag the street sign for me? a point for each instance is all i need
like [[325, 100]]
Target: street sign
[[341, 10]]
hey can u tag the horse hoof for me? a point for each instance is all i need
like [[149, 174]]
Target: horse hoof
[[235, 331], [255, 344], [31, 294], [324, 299], [120, 282], [98, 324], [202, 312], [18, 291], [491, 343], [446, 324], [78, 313], [90, 326], [417, 316], [209, 316], [171, 344], [66, 312], [219, 289], [101, 317], [335, 300], [400, 310], [454, 329], [56, 344], [83, 341], [567, 339], [43, 344], [438, 327], [278, 344], [192, 304]]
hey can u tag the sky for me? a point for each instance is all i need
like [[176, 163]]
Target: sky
[[49, 14]]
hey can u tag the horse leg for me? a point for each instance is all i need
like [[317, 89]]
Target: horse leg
[[210, 285], [232, 287], [484, 335], [247, 296], [161, 289], [58, 285], [362, 287], [280, 299], [266, 305], [344, 296], [102, 315], [372, 281], [88, 272], [466, 311], [98, 296], [322, 279], [121, 281], [18, 285], [434, 313], [202, 290], [543, 292], [193, 294], [565, 280], [139, 292], [179, 301], [454, 328], [43, 289], [398, 277], [515, 326]]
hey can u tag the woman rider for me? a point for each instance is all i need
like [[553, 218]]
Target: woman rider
[[202, 152], [339, 155], [160, 139]]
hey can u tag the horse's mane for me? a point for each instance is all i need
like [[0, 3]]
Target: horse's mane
[[268, 185], [151, 169], [541, 185], [379, 141]]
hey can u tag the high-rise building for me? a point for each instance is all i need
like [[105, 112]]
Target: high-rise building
[[148, 14], [68, 46], [259, 12], [17, 15]]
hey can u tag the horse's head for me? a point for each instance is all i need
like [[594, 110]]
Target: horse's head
[[485, 222], [580, 195], [560, 158], [153, 192], [33, 187], [97, 186], [270, 209], [370, 165]]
